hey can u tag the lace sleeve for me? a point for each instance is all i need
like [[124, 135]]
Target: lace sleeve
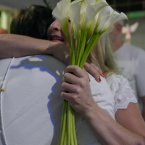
[[122, 92]]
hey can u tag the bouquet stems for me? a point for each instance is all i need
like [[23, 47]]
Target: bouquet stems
[[68, 133]]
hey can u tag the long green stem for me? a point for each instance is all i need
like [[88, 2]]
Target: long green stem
[[94, 39], [68, 134], [82, 46], [78, 45], [63, 122]]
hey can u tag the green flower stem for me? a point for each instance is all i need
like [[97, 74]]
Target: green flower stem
[[63, 122], [68, 134], [73, 48], [82, 46], [94, 39], [78, 45], [69, 123], [77, 53], [73, 128], [69, 43], [72, 37]]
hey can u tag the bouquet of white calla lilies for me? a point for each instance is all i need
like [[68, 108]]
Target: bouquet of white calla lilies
[[90, 19]]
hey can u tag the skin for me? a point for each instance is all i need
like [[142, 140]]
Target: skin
[[30, 46], [117, 42]]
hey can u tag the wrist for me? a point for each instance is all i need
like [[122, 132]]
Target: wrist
[[48, 49], [91, 111]]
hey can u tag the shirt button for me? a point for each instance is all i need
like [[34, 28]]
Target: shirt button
[[2, 89]]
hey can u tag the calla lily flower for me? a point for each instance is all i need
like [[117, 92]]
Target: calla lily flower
[[74, 16], [60, 12], [106, 18], [82, 13]]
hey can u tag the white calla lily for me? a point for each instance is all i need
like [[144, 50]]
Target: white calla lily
[[103, 19], [91, 12], [106, 18], [60, 12], [115, 17], [74, 16], [119, 17], [82, 13]]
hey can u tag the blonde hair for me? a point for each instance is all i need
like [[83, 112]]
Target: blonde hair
[[102, 56]]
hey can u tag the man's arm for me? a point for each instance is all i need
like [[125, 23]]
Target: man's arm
[[12, 45]]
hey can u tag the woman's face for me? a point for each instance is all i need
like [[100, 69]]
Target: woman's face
[[55, 33]]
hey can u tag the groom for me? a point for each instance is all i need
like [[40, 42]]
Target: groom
[[30, 100]]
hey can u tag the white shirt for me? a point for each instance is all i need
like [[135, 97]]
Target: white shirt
[[131, 63], [122, 92]]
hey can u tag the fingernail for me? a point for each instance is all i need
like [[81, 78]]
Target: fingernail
[[103, 74], [89, 78], [99, 79]]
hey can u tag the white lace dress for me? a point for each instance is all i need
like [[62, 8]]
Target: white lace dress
[[121, 90]]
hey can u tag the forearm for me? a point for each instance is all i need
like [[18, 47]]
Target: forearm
[[16, 46], [109, 131]]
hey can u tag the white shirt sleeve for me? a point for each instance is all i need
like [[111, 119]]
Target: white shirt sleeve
[[122, 92], [102, 95]]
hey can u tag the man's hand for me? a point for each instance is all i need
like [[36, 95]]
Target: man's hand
[[60, 51]]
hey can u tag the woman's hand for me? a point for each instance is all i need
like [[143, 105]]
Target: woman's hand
[[94, 71], [76, 90]]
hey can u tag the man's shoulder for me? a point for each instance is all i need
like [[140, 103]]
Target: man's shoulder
[[135, 51]]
